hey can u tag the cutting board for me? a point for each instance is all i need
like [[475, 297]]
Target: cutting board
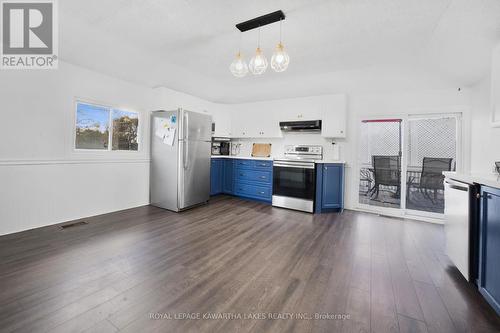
[[261, 150]]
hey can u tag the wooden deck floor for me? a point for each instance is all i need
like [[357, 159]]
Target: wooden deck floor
[[235, 258]]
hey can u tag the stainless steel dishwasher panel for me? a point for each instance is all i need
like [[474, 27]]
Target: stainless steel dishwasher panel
[[457, 224]]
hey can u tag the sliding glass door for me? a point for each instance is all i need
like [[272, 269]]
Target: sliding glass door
[[432, 146], [401, 161], [379, 160]]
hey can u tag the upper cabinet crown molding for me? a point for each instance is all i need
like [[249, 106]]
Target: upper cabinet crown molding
[[495, 87]]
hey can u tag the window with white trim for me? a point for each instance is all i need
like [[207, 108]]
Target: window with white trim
[[100, 127]]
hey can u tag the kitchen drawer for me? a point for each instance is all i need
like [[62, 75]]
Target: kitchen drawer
[[253, 191], [254, 175], [254, 164], [266, 165], [248, 164]]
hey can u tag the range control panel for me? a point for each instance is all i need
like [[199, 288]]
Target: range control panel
[[304, 151]]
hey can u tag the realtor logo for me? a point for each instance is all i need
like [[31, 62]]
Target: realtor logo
[[29, 34]]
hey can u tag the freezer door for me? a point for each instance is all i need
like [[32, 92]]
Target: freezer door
[[196, 126], [194, 172]]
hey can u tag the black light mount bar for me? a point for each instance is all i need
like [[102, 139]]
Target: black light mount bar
[[261, 21]]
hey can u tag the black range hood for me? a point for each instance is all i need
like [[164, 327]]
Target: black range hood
[[301, 126]]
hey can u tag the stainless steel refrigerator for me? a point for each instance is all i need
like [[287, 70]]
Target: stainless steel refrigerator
[[180, 159]]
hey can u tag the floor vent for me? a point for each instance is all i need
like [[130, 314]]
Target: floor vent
[[75, 224]]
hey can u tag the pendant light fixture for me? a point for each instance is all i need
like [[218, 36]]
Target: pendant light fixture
[[239, 66], [280, 58], [258, 63]]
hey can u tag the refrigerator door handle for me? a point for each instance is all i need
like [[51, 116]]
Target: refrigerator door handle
[[186, 138], [185, 135], [185, 154]]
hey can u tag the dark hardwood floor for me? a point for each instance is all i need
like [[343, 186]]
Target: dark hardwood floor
[[235, 257]]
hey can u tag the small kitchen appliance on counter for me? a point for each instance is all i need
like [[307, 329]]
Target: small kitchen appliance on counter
[[221, 146], [294, 177]]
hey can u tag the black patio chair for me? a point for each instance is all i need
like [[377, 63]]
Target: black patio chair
[[386, 172], [432, 179], [365, 176]]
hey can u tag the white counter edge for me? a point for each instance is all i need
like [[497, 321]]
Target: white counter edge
[[270, 159], [491, 180]]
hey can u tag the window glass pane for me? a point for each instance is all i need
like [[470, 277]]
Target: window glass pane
[[92, 127], [125, 125], [380, 163], [432, 149]]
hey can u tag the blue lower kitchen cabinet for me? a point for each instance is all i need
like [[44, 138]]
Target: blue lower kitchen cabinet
[[227, 176], [489, 246], [216, 175], [329, 187], [253, 179]]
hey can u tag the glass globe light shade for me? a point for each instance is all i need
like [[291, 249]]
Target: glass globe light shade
[[258, 64], [239, 67], [280, 59]]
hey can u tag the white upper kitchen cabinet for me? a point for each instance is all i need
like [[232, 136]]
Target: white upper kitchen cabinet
[[330, 109], [334, 116], [222, 120], [242, 124], [254, 121], [261, 119]]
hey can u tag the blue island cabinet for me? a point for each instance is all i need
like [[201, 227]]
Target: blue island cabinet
[[216, 175], [329, 187], [489, 246]]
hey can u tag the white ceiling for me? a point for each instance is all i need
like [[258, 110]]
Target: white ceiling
[[334, 45]]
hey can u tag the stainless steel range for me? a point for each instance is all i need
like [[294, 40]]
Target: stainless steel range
[[294, 177]]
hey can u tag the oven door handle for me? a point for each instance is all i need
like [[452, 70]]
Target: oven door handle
[[294, 165]]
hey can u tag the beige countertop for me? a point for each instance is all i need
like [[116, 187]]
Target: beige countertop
[[491, 180], [270, 158]]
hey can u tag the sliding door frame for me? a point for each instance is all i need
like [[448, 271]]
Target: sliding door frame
[[458, 158], [397, 212], [458, 113]]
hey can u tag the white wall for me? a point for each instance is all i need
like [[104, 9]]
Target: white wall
[[43, 180], [485, 138]]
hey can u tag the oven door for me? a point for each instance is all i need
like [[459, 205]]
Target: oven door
[[294, 185]]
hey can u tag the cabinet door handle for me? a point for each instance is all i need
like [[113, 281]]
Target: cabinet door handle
[[261, 192], [263, 177]]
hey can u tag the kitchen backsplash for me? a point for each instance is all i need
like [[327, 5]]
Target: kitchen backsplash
[[278, 144]]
